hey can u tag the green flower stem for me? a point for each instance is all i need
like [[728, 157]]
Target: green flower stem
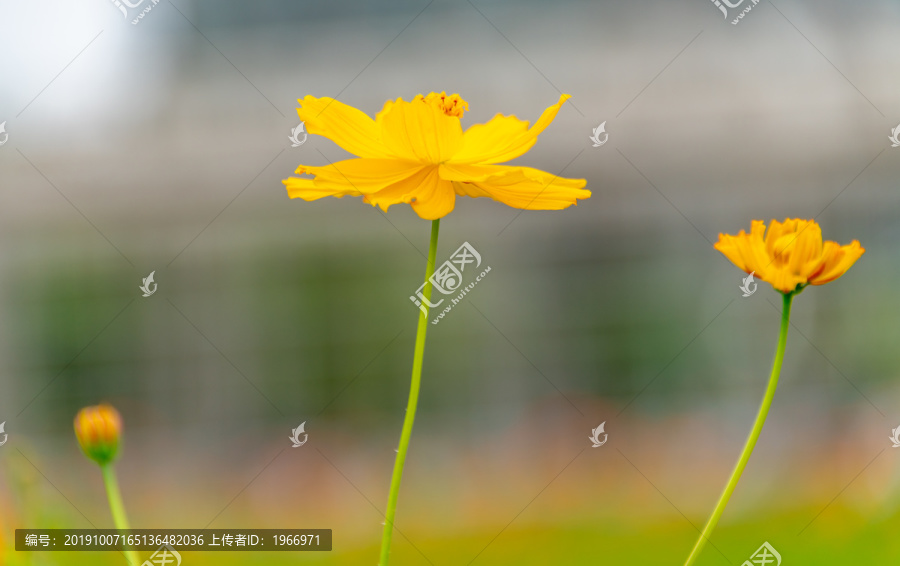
[[410, 417], [117, 508], [754, 434]]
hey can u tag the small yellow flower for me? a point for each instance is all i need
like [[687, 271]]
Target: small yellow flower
[[791, 255], [417, 152], [98, 430]]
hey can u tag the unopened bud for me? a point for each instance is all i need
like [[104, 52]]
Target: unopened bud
[[99, 430]]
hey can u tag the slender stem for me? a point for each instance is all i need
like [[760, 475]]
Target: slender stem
[[410, 417], [117, 508], [754, 434]]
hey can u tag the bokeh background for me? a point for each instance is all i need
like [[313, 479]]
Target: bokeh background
[[161, 147]]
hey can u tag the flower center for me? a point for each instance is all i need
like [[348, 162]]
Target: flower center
[[449, 104]]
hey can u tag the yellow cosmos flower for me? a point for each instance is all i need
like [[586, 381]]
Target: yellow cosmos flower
[[417, 152], [791, 255]]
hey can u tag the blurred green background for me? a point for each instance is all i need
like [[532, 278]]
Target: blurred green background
[[161, 147]]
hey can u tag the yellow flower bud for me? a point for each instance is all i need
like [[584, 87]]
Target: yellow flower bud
[[98, 430]]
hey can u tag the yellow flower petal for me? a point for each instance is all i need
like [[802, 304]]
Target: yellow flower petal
[[806, 247], [350, 177], [430, 196], [306, 189], [503, 137], [739, 250], [519, 187], [419, 131], [837, 261], [435, 197], [344, 125]]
